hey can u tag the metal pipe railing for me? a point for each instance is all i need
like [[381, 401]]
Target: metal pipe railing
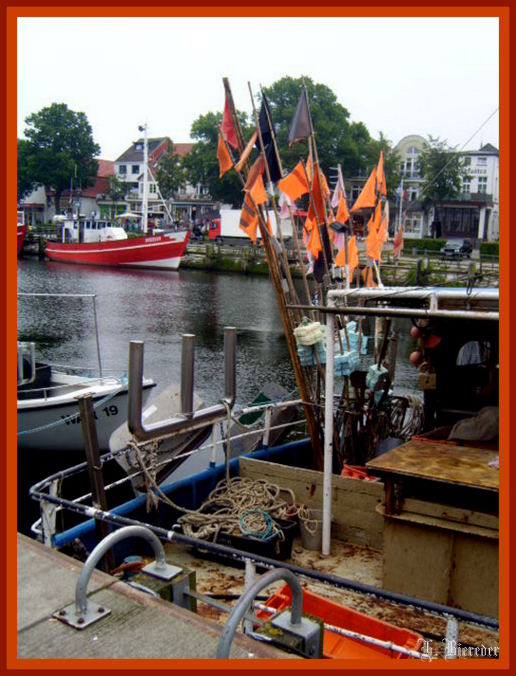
[[182, 423]]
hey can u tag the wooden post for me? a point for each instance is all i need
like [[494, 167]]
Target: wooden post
[[98, 494]]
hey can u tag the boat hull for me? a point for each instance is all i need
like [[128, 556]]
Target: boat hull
[[21, 232], [61, 423], [156, 251]]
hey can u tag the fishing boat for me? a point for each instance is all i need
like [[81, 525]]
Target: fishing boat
[[21, 230], [441, 470], [92, 241], [407, 483], [48, 416], [99, 242]]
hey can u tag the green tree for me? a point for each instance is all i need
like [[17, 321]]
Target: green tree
[[170, 173], [338, 140], [60, 146], [442, 171], [116, 193], [25, 184]]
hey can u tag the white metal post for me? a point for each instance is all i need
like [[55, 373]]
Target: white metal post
[[145, 179], [328, 435]]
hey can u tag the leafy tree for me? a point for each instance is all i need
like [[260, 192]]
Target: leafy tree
[[169, 174], [25, 184], [338, 140], [59, 146], [116, 193], [442, 171]]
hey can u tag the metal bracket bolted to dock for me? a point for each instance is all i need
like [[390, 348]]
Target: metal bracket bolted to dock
[[83, 612]]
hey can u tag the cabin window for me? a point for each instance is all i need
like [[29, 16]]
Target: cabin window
[[75, 225], [474, 352]]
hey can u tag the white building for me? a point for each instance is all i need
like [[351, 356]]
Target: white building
[[474, 215]]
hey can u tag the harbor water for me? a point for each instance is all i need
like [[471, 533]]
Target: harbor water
[[157, 307]]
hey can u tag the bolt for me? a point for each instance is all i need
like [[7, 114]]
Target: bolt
[[100, 609], [80, 620], [62, 612]]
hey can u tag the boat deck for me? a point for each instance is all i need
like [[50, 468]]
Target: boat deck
[[351, 561]]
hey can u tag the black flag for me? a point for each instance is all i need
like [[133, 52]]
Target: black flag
[[300, 125], [272, 163], [265, 123]]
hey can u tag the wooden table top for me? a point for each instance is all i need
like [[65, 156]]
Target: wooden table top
[[461, 465]]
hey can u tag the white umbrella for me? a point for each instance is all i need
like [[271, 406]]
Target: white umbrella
[[128, 214]]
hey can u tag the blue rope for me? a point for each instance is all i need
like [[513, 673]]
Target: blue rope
[[261, 535]]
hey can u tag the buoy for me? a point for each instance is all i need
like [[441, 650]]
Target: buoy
[[415, 332], [432, 341], [416, 357]]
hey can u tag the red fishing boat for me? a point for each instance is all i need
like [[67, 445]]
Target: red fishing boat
[[99, 242], [21, 230]]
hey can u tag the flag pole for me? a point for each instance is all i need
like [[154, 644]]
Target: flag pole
[[294, 227], [314, 430], [288, 275]]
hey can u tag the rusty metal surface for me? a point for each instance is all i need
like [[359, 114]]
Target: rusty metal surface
[[350, 561]]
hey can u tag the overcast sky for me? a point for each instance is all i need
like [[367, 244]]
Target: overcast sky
[[428, 76]]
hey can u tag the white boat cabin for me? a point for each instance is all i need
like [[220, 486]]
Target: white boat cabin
[[84, 230]]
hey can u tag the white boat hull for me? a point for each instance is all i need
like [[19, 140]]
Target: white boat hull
[[54, 423]]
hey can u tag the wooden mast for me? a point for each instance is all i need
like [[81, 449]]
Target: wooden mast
[[314, 430]]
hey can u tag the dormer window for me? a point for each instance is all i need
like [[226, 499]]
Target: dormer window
[[138, 146]]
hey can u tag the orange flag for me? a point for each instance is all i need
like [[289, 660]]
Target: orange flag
[[397, 244], [248, 219], [225, 162], [383, 231], [257, 191], [342, 211], [340, 259], [295, 184], [316, 208], [314, 245], [247, 151], [381, 185], [367, 197], [257, 168], [377, 216], [372, 242], [368, 277]]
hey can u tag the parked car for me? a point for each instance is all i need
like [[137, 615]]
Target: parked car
[[457, 248]]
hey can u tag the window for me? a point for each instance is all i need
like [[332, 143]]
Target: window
[[466, 187], [122, 170], [355, 192], [482, 184], [152, 187], [411, 167], [135, 169], [482, 161], [466, 162]]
